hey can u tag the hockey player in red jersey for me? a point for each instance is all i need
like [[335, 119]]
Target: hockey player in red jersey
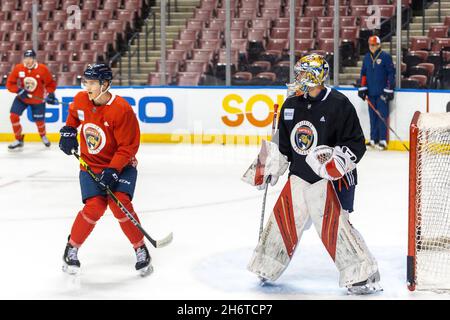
[[34, 85], [109, 138]]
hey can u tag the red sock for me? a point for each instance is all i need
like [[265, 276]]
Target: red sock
[[86, 219], [41, 127], [131, 231], [17, 128]]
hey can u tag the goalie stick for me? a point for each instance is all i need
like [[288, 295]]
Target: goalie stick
[[274, 126], [156, 243]]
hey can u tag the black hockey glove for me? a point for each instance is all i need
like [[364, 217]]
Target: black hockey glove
[[362, 93], [51, 99], [23, 94], [108, 178], [388, 95], [68, 140]]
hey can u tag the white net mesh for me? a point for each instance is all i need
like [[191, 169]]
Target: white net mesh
[[433, 202]]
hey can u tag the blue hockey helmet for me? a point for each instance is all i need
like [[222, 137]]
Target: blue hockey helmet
[[99, 72], [29, 54]]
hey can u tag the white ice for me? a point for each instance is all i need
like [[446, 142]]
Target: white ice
[[196, 193]]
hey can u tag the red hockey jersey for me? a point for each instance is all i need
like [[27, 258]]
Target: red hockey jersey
[[37, 81], [110, 134]]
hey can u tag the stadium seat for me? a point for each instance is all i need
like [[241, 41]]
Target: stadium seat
[[259, 66], [420, 43], [409, 83], [217, 24], [264, 79], [49, 5], [304, 33], [423, 80], [172, 67], [241, 78], [438, 32], [196, 66], [303, 46], [188, 78], [314, 11], [413, 58], [66, 78], [154, 79]]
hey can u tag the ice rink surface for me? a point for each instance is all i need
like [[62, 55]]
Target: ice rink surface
[[195, 192]]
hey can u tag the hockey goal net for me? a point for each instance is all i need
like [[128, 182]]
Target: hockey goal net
[[428, 266]]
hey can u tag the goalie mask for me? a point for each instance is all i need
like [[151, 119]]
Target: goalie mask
[[310, 71]]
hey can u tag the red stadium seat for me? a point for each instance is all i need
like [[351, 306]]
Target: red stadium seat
[[249, 4], [217, 24], [175, 54], [53, 66], [423, 80], [315, 11], [210, 34], [325, 33], [280, 33], [438, 32], [172, 67], [77, 67], [49, 5], [111, 4], [188, 78], [324, 22], [303, 33], [420, 43], [202, 55], [202, 14], [195, 24], [196, 66], [154, 78], [303, 46], [212, 44], [66, 78]]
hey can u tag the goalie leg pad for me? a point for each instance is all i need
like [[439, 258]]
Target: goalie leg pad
[[342, 241], [282, 232]]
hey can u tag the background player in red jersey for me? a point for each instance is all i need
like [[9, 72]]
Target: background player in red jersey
[[31, 81], [110, 138]]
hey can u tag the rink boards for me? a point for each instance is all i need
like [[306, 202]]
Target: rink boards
[[218, 115]]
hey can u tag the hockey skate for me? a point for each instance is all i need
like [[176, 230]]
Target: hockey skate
[[381, 146], [71, 263], [368, 286], [143, 264], [370, 144], [45, 141], [17, 145]]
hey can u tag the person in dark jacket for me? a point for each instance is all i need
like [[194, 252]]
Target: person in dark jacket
[[377, 85]]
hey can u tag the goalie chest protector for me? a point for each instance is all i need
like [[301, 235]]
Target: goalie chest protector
[[328, 119]]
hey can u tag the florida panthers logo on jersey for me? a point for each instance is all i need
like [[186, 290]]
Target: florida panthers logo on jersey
[[30, 84], [95, 138], [303, 137]]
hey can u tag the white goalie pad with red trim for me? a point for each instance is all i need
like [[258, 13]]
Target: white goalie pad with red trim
[[282, 232], [342, 241], [298, 204], [270, 162]]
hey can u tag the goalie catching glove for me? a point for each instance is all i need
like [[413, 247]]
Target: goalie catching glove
[[269, 163], [331, 163]]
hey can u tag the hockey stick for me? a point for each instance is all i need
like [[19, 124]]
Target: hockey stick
[[384, 121], [274, 126], [156, 243]]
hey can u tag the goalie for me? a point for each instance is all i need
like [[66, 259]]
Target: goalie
[[320, 138]]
